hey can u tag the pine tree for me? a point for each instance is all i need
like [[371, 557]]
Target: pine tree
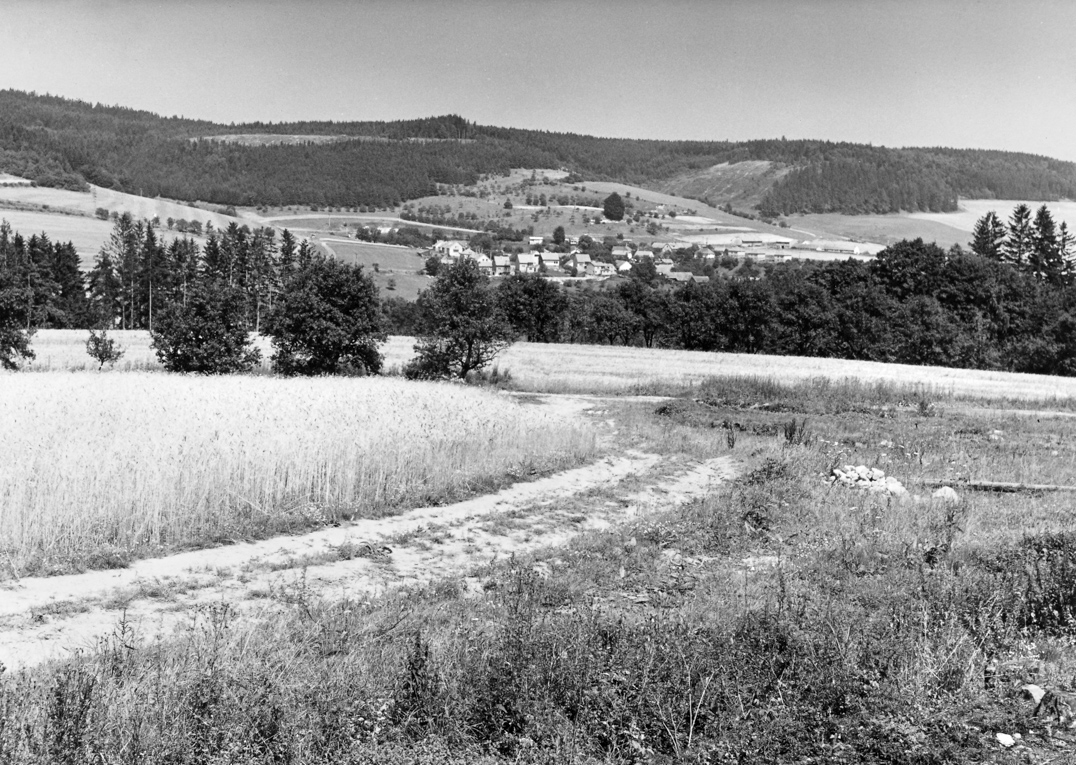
[[988, 237]]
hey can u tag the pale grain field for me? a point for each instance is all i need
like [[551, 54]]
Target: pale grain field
[[140, 463], [547, 368]]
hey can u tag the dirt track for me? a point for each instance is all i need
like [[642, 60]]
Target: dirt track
[[44, 618]]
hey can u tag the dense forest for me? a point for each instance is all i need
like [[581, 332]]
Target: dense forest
[[66, 143]]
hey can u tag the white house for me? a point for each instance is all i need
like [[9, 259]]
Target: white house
[[450, 248], [502, 265], [536, 240], [582, 262], [598, 268], [623, 266], [528, 262]]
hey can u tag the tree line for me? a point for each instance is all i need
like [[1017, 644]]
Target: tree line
[[67, 143], [1008, 303]]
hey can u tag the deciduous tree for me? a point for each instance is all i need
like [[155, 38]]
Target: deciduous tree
[[327, 321], [462, 327]]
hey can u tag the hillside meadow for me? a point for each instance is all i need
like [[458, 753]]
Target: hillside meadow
[[99, 469]]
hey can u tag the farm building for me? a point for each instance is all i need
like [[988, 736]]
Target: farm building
[[640, 254], [536, 240], [621, 253]]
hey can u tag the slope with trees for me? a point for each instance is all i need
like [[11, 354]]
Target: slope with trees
[[67, 143]]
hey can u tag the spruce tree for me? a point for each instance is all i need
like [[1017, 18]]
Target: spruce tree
[[1019, 245], [1046, 262], [988, 237]]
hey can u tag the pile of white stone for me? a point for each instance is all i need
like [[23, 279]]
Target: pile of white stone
[[871, 479]]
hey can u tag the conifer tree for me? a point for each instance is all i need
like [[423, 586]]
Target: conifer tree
[[1019, 245], [988, 236]]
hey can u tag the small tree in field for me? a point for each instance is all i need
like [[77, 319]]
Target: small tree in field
[[461, 326], [327, 321], [103, 349], [208, 334]]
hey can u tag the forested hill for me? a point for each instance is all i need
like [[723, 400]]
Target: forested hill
[[61, 142]]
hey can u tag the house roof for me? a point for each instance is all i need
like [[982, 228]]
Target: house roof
[[582, 257], [527, 259], [501, 260]]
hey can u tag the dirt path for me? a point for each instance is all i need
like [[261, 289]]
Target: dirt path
[[51, 617]]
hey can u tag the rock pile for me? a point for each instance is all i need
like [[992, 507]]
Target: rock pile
[[871, 479]]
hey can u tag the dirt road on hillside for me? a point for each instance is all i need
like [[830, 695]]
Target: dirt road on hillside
[[53, 617]]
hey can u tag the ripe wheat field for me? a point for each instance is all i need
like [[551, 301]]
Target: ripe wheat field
[[98, 469], [551, 368]]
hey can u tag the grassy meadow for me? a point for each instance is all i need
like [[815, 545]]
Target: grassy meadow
[[102, 468], [782, 619]]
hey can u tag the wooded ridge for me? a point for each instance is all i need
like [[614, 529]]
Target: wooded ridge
[[67, 143]]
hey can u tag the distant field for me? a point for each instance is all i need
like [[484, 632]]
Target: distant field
[[973, 209], [881, 229], [387, 257], [82, 228], [87, 234]]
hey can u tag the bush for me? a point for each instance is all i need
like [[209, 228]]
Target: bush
[[208, 334], [328, 321]]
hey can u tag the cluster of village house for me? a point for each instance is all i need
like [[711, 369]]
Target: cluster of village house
[[553, 264]]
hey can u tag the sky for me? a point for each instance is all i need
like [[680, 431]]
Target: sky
[[993, 74]]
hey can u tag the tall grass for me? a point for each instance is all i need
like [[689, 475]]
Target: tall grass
[[124, 464]]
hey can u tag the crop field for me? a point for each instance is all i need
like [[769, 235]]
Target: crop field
[[128, 465]]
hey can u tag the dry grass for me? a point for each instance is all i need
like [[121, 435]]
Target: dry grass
[[99, 468]]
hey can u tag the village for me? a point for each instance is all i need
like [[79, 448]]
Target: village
[[576, 259]]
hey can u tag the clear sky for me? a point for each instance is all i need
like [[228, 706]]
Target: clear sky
[[998, 74]]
